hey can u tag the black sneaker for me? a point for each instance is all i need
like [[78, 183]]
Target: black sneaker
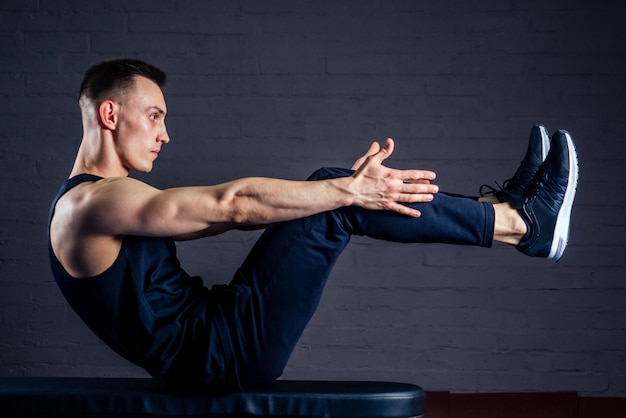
[[511, 190], [548, 201]]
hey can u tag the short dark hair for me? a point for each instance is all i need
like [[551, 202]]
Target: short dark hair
[[114, 77]]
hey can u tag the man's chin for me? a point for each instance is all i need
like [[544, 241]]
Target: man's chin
[[142, 170]]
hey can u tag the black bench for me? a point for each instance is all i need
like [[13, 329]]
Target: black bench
[[138, 397]]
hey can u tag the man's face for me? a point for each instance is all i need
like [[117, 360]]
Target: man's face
[[141, 127]]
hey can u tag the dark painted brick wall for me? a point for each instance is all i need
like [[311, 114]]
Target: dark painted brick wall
[[280, 88]]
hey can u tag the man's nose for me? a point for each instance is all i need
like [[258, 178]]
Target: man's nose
[[164, 136]]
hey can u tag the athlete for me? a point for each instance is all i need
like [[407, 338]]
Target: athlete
[[112, 238]]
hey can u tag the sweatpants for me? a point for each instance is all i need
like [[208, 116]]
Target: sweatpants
[[274, 294]]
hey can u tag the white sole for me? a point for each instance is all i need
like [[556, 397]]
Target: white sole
[[545, 142], [561, 229]]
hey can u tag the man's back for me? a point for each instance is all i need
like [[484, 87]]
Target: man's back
[[143, 305], [81, 253]]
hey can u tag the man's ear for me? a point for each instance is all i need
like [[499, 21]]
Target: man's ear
[[108, 112]]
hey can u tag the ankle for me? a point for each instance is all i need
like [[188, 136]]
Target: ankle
[[509, 226]]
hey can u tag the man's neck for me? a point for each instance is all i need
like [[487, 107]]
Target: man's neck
[[95, 158]]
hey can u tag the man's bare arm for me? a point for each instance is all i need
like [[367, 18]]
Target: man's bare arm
[[123, 206]]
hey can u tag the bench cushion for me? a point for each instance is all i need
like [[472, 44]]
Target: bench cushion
[[141, 397]]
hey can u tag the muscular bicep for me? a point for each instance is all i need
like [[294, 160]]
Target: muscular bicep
[[130, 207]]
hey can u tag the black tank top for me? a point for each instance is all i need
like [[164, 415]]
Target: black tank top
[[145, 306]]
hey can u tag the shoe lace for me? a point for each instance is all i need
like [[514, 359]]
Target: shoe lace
[[486, 190], [545, 187], [523, 172]]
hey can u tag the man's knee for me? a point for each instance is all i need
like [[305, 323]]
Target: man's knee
[[330, 173]]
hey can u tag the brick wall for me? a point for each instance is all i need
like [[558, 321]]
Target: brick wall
[[279, 88]]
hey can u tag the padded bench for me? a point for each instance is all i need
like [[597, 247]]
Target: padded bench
[[144, 397]]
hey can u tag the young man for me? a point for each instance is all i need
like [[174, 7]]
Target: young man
[[113, 255]]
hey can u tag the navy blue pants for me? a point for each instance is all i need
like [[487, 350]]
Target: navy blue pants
[[275, 292]]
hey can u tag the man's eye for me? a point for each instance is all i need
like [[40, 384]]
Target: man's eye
[[154, 117]]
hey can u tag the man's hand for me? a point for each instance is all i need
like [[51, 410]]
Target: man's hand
[[380, 187]]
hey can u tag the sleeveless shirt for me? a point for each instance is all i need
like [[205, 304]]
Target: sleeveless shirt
[[146, 307]]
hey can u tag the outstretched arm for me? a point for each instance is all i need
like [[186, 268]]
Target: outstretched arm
[[123, 206], [366, 169]]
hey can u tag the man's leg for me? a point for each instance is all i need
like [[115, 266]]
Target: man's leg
[[278, 287]]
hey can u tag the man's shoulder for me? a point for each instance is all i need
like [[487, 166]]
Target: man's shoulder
[[113, 186], [118, 181], [90, 195]]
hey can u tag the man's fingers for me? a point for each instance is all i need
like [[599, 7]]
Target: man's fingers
[[415, 193], [419, 188], [422, 193], [417, 181], [386, 151], [373, 150], [393, 188], [415, 198], [405, 210], [416, 176]]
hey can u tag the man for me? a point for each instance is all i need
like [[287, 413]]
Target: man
[[112, 238]]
